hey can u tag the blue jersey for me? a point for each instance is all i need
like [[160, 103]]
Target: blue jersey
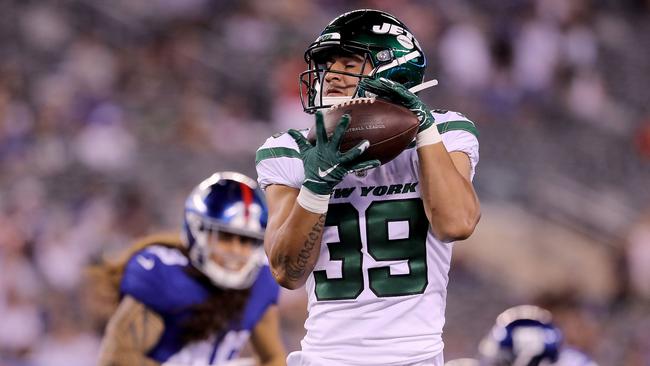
[[157, 277]]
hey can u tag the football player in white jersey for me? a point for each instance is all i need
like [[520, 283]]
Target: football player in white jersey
[[372, 244]]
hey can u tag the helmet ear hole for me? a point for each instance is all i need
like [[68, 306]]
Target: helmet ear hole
[[400, 79]]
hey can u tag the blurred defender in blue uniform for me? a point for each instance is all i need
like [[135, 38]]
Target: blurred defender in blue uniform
[[197, 300], [525, 335]]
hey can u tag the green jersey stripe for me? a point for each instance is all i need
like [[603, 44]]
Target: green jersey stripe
[[453, 126], [284, 152], [275, 152], [458, 125]]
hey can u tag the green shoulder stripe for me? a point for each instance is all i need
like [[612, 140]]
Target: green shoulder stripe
[[457, 125], [453, 126], [275, 152]]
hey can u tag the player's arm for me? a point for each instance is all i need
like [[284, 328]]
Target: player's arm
[[266, 339], [449, 198], [450, 201], [131, 332], [292, 238], [297, 217]]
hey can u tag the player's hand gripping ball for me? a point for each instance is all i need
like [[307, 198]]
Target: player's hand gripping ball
[[389, 128]]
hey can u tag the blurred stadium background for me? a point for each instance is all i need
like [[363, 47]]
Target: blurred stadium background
[[110, 111]]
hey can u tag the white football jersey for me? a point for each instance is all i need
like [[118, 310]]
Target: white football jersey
[[377, 293], [572, 357]]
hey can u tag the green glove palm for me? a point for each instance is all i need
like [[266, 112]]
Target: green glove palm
[[325, 166], [399, 94]]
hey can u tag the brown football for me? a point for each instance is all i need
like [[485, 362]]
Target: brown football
[[388, 127]]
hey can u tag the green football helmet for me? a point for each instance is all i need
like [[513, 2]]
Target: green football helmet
[[379, 37]]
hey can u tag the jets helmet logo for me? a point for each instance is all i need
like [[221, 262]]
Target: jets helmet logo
[[404, 37]]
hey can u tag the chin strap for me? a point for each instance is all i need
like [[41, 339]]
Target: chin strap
[[238, 280], [332, 101], [425, 85]]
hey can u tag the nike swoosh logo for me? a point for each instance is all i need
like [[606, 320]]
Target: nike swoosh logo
[[146, 263], [324, 174], [364, 146]]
